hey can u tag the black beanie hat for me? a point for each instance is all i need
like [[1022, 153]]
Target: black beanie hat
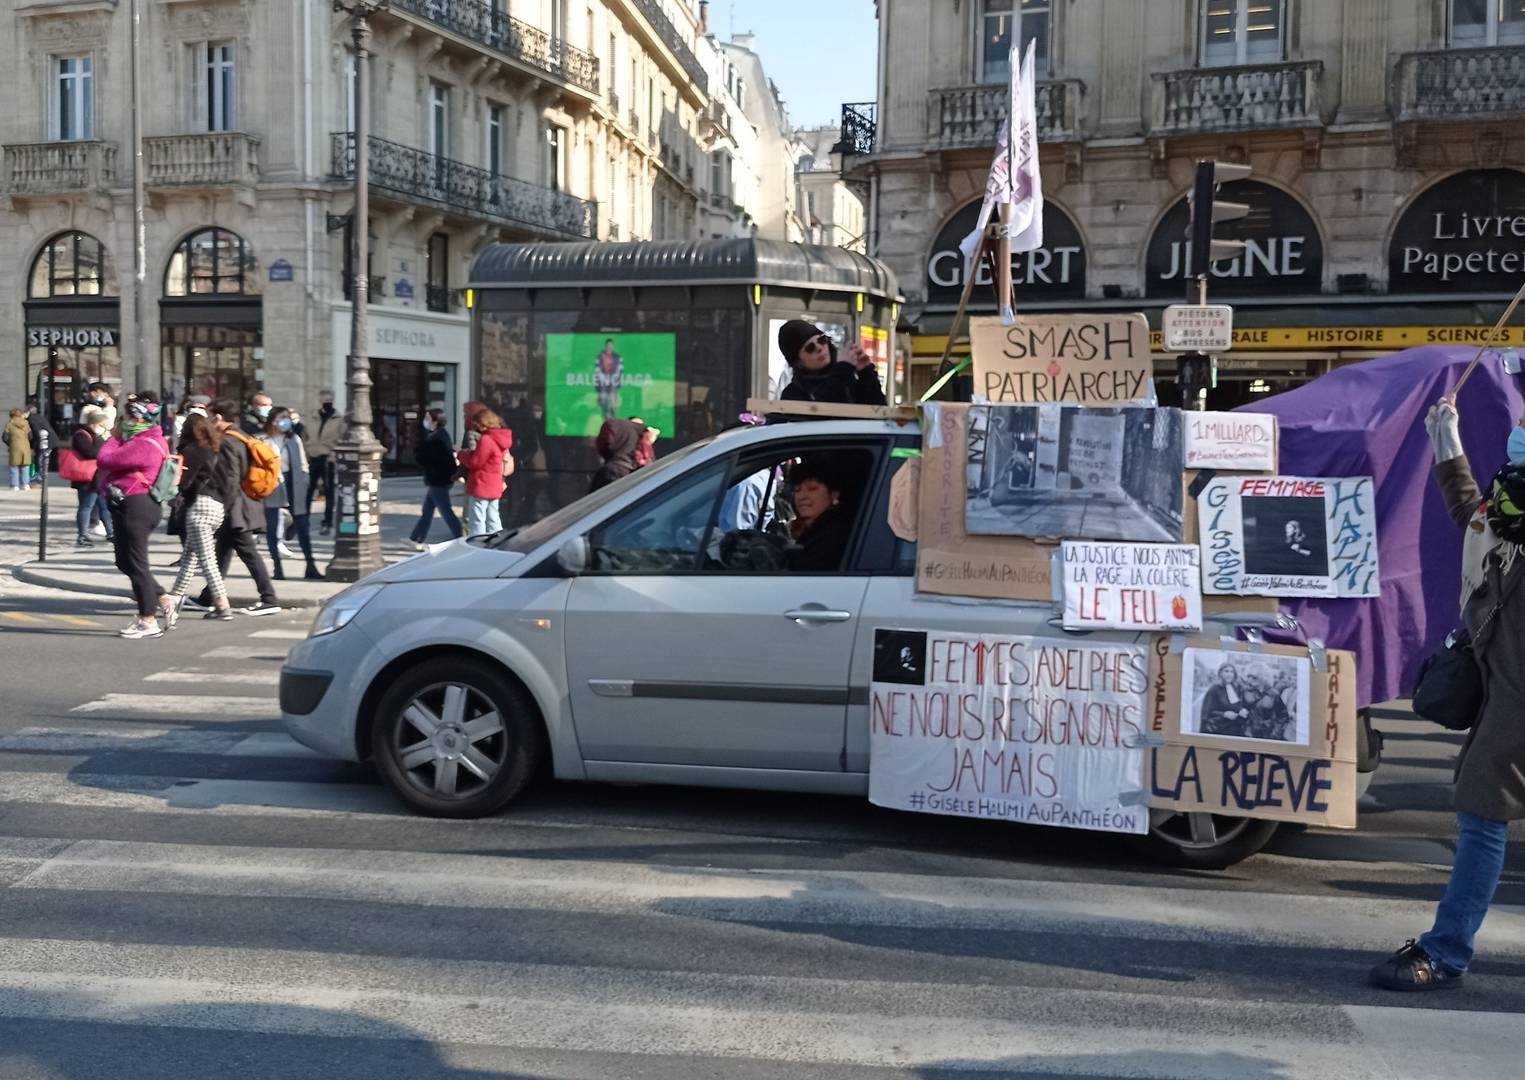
[[792, 337]]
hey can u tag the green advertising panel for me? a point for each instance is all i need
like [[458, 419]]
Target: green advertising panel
[[590, 378]]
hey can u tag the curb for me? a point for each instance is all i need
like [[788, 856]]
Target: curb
[[30, 575]]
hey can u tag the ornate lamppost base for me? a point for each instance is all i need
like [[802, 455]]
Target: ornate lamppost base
[[357, 541]]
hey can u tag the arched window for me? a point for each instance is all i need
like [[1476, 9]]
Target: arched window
[[212, 262], [72, 264]]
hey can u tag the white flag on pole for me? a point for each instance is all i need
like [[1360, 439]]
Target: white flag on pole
[[1014, 172]]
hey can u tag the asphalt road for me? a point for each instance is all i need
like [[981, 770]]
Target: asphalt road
[[184, 891]]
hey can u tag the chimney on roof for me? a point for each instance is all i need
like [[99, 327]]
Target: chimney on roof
[[704, 16]]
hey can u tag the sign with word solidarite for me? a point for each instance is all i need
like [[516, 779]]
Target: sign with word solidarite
[[1117, 586], [1243, 442], [1198, 328], [1070, 359], [1289, 536], [1018, 729]]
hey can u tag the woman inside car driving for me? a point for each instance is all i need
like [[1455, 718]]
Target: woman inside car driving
[[821, 526], [817, 374]]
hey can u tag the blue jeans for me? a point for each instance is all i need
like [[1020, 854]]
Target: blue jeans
[[92, 507], [1475, 876], [482, 516], [436, 498], [21, 475]]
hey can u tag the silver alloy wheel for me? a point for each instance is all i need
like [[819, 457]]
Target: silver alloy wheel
[[1196, 832], [450, 741]]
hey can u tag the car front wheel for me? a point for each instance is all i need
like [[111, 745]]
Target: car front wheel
[[454, 739], [1204, 841]]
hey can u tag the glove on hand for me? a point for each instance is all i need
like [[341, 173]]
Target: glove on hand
[[1444, 428]]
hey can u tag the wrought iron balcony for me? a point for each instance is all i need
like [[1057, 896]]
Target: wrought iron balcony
[[970, 115], [1237, 98], [442, 298], [421, 177], [478, 21], [43, 168], [212, 158], [668, 33], [635, 121], [858, 128], [1461, 83]]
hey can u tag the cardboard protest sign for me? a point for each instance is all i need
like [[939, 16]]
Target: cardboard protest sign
[[1019, 729], [1065, 471], [1122, 586], [1074, 359], [1289, 536], [949, 561], [1239, 442], [1295, 761]]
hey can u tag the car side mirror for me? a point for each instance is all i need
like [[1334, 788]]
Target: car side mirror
[[573, 556]]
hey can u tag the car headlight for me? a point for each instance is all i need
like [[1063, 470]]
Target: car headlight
[[337, 612]]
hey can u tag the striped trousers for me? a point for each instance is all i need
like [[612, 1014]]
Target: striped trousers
[[202, 520]]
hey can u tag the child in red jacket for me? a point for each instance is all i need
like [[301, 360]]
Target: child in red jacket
[[488, 466]]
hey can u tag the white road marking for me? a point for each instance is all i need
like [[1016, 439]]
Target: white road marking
[[280, 634], [237, 652], [211, 705], [211, 679]]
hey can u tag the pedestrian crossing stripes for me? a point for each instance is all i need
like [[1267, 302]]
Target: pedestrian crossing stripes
[[276, 634], [215, 703], [222, 678]]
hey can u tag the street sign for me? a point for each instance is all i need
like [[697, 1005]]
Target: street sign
[[1205, 328]]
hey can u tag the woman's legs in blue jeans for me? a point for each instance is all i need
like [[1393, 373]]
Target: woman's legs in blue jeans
[[420, 531], [1475, 876], [439, 499], [89, 499]]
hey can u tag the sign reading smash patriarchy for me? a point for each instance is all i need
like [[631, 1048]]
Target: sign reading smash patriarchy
[[1289, 536], [1020, 729], [1113, 586], [1072, 359]]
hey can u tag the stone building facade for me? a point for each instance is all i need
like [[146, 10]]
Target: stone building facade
[[490, 120], [1387, 201]]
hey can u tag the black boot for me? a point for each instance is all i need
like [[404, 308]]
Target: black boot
[[313, 573]]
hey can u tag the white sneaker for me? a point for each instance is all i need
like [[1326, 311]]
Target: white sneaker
[[286, 552], [141, 628]]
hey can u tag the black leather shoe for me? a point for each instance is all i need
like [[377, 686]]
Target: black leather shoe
[[1411, 969]]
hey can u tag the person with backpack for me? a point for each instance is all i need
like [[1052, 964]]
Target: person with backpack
[[130, 471], [488, 466], [436, 460], [253, 471], [290, 493], [77, 464]]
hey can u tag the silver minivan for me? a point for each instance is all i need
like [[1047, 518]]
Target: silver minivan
[[651, 632]]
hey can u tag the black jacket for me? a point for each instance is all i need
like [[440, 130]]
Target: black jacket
[[436, 458], [822, 546], [38, 423], [243, 513], [86, 445], [841, 383], [205, 473]]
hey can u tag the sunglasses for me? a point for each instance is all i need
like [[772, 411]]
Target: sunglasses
[[819, 342]]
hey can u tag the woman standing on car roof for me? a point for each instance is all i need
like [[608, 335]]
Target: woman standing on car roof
[[817, 374], [1490, 773]]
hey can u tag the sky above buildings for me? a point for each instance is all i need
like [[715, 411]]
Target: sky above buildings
[[821, 53]]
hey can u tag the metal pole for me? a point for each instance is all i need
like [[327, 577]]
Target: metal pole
[[357, 543], [139, 366], [44, 444]]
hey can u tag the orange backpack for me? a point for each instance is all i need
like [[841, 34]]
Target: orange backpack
[[263, 474]]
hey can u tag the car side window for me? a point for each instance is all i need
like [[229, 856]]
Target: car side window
[[662, 534]]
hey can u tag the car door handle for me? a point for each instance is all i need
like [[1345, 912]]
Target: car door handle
[[816, 613]]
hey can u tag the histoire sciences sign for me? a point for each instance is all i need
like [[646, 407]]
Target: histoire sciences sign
[[1467, 231]]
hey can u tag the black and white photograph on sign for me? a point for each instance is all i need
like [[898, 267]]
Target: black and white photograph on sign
[[1241, 695], [1285, 536], [900, 657], [1105, 473]]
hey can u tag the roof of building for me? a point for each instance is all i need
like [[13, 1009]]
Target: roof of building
[[681, 262]]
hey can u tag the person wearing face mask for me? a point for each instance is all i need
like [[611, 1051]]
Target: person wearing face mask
[[85, 444], [818, 375], [258, 416], [290, 493], [1490, 771], [99, 396], [323, 441], [436, 460]]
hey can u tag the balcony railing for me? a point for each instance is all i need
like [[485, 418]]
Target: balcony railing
[[375, 288], [1460, 83], [652, 10], [419, 176], [858, 128], [513, 38], [1237, 98], [635, 121], [970, 115], [441, 298], [40, 168], [219, 158]]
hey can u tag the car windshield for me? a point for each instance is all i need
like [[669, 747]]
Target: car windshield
[[529, 537]]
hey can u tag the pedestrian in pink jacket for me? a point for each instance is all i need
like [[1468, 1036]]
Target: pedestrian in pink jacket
[[488, 465], [126, 468]]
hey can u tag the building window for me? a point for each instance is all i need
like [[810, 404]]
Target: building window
[[556, 158], [494, 149], [437, 272], [73, 112], [212, 262], [350, 82], [1241, 32], [217, 97], [1480, 23], [439, 120], [1000, 21], [72, 264]]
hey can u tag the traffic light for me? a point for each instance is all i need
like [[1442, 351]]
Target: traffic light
[[1206, 211]]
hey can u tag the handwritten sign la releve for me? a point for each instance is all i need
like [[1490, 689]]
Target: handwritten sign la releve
[[1021, 729], [1122, 586], [1070, 359], [1242, 442]]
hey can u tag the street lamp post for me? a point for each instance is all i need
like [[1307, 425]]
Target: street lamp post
[[357, 544]]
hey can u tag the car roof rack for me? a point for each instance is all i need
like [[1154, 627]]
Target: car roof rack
[[829, 410]]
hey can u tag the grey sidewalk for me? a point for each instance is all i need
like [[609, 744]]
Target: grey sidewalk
[[91, 570]]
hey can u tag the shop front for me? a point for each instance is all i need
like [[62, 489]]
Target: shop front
[[72, 325], [211, 319], [419, 361]]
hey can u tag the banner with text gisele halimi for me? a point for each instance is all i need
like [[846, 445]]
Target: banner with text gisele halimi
[[1021, 729], [1289, 536]]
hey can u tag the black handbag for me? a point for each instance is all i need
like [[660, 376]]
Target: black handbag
[[1450, 687]]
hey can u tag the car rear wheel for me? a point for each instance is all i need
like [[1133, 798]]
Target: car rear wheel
[[1204, 841], [453, 739]]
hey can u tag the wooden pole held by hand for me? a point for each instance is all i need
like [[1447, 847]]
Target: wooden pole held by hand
[[1493, 339], [1004, 296]]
